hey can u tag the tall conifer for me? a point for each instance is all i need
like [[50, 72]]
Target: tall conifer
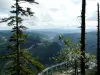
[[19, 60]]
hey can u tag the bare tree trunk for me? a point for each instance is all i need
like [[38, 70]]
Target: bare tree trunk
[[76, 67], [83, 37], [98, 51]]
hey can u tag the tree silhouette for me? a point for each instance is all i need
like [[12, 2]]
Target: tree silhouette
[[19, 60], [83, 37], [98, 44]]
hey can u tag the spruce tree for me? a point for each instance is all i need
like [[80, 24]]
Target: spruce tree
[[19, 60]]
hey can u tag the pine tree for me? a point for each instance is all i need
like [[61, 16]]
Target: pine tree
[[19, 60], [83, 37], [98, 44]]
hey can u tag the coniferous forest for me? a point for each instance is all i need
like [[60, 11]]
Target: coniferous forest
[[49, 37]]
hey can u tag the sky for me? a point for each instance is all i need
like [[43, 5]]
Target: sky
[[54, 14]]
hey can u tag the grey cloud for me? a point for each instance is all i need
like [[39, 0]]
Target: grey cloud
[[6, 3], [93, 17], [76, 1]]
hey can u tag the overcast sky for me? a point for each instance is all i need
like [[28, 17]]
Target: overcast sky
[[54, 14]]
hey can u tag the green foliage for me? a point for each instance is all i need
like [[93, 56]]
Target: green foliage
[[72, 53], [30, 59], [67, 42], [60, 37]]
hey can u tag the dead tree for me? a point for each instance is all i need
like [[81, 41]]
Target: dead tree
[[98, 43], [83, 37]]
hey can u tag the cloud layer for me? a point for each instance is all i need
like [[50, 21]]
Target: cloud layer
[[55, 13]]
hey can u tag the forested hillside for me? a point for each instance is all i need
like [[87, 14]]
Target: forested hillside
[[43, 49]]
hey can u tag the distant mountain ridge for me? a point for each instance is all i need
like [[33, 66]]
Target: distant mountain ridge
[[91, 40], [45, 43]]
